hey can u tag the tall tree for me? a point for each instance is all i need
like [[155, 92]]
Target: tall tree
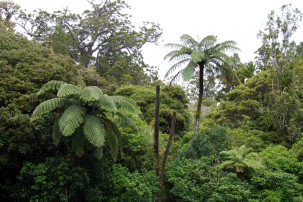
[[86, 115], [203, 56]]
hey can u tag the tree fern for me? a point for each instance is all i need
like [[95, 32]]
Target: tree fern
[[126, 121], [98, 152], [68, 89], [94, 130], [92, 93], [51, 85], [48, 106], [71, 119]]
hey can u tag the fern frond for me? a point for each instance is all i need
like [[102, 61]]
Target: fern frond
[[51, 85], [189, 41], [125, 104], [175, 66], [113, 137], [47, 106], [94, 130], [71, 119], [56, 133], [78, 142], [68, 89], [126, 121], [107, 103], [189, 71], [98, 152], [91, 93], [207, 42]]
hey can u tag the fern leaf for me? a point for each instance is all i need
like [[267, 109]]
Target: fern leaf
[[94, 131], [68, 89], [92, 93], [78, 142], [56, 133], [71, 119], [113, 137], [107, 103], [126, 105], [51, 85], [98, 152], [126, 121], [47, 106]]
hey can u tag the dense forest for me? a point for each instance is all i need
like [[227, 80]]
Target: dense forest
[[84, 118]]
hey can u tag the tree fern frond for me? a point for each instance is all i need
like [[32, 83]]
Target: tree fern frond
[[47, 106], [126, 121], [177, 76], [91, 93], [71, 119], [56, 133], [197, 56], [175, 66], [51, 85], [68, 89], [113, 137], [207, 42], [189, 71], [189, 41], [177, 55], [125, 104], [107, 103], [94, 130], [98, 152], [78, 142], [173, 45]]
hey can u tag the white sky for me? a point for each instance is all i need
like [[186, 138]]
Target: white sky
[[238, 20]]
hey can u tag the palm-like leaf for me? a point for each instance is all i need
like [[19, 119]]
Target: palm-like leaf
[[107, 103], [56, 133], [125, 104], [71, 119], [113, 137], [48, 106], [68, 89], [94, 130], [92, 93], [51, 85], [126, 121]]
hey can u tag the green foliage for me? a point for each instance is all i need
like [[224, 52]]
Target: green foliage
[[127, 186], [172, 99], [49, 179]]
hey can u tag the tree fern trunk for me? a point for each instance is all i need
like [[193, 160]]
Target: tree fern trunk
[[156, 132], [199, 104]]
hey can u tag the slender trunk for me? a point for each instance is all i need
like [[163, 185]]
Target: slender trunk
[[171, 134], [170, 139], [199, 104], [156, 132]]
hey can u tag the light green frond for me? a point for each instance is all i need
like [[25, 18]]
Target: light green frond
[[98, 152], [198, 56], [226, 164], [68, 89], [56, 133], [208, 42], [91, 93], [94, 130], [176, 66], [71, 119], [189, 71], [113, 137], [78, 142], [181, 54], [173, 46], [126, 121], [189, 41], [226, 46], [107, 103], [126, 105], [47, 106], [51, 85]]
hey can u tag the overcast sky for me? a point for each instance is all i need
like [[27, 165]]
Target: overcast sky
[[238, 20]]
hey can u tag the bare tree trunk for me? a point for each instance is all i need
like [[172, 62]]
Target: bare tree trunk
[[171, 134], [156, 132], [199, 104]]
